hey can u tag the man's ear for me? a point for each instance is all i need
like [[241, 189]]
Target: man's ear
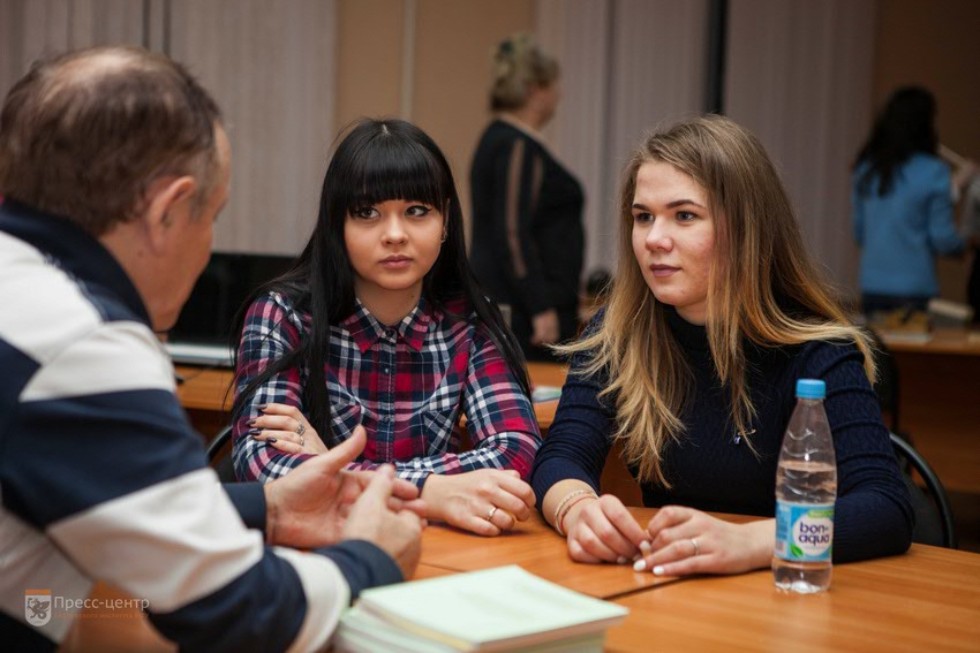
[[166, 199]]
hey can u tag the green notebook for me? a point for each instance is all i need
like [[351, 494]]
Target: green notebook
[[501, 609]]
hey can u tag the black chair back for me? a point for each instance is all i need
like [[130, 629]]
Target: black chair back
[[219, 456], [934, 517]]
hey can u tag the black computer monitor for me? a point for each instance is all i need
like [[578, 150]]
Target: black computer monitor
[[219, 294]]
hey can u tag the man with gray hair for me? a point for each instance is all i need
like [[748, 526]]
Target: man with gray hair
[[114, 165]]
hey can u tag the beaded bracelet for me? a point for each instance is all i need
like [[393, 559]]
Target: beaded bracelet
[[565, 505], [568, 509]]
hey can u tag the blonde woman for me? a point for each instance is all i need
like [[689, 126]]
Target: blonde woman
[[716, 311], [528, 239]]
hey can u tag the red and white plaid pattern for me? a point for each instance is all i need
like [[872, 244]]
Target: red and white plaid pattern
[[408, 385]]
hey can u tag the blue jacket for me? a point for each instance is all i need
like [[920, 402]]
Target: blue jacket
[[901, 233]]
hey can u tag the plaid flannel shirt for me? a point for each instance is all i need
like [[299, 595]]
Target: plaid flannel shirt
[[407, 385]]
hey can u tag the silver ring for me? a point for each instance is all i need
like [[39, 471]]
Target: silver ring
[[491, 513], [697, 547], [301, 429]]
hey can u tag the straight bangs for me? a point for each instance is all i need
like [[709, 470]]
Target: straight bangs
[[393, 168]]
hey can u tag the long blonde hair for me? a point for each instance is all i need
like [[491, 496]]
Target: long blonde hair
[[763, 287]]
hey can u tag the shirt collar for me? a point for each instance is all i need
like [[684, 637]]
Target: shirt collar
[[366, 330], [73, 250]]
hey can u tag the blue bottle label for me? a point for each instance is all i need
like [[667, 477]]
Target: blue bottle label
[[804, 531]]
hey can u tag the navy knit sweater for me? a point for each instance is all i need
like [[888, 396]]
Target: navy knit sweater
[[712, 468]]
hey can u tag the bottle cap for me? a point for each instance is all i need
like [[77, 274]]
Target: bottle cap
[[811, 389]]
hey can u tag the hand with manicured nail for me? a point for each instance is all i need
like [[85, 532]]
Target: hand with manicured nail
[[598, 529], [685, 541], [286, 428]]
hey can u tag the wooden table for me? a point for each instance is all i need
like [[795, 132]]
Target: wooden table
[[926, 600], [538, 549], [205, 394], [938, 384], [205, 388], [957, 342]]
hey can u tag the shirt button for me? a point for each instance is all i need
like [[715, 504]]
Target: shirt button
[[384, 369]]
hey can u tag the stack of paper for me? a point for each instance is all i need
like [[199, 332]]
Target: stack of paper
[[945, 313], [501, 609], [545, 393]]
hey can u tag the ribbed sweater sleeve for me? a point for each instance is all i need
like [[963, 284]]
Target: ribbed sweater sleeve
[[712, 468]]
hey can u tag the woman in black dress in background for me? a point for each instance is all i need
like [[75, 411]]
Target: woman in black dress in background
[[528, 239]]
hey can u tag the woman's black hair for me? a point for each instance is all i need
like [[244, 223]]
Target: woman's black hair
[[378, 160], [905, 126]]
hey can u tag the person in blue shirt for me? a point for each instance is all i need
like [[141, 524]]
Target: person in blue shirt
[[902, 203]]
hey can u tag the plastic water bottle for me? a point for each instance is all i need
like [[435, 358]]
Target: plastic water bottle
[[806, 489]]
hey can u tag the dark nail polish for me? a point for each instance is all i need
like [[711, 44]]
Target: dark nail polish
[[251, 422], [262, 406], [272, 440], [254, 431]]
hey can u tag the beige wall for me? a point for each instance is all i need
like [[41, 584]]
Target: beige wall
[[449, 66], [428, 60], [935, 44], [369, 43], [454, 41]]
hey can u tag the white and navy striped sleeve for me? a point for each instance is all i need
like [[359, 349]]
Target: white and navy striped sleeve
[[102, 470]]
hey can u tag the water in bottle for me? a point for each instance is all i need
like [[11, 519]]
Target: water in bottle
[[806, 489]]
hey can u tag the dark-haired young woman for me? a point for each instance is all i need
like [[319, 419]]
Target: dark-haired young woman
[[902, 204], [381, 325]]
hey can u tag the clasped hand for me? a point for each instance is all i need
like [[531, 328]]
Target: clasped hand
[[484, 501], [677, 541], [319, 503]]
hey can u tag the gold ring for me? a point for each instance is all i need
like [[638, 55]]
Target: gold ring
[[491, 513], [697, 547]]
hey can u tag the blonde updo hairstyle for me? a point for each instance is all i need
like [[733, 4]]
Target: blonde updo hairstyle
[[519, 66]]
